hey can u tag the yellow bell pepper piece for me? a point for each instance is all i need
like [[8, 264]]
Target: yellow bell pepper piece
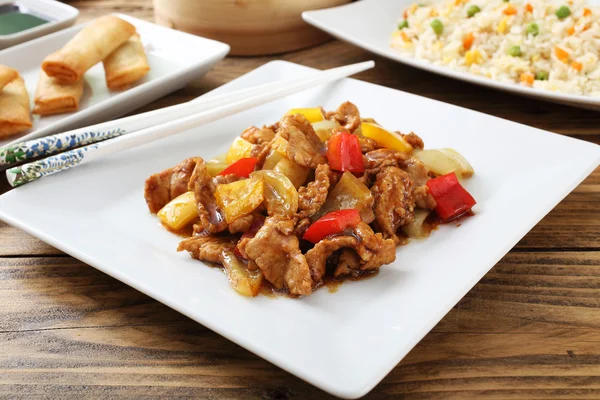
[[390, 140], [278, 151], [311, 114], [239, 198], [215, 166], [179, 212], [240, 148], [246, 283], [281, 197]]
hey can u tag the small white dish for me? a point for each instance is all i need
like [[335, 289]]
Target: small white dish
[[343, 342], [370, 23], [175, 59], [58, 15]]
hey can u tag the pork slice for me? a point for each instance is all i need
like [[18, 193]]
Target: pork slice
[[312, 196], [276, 251], [203, 186], [378, 159], [258, 135], [413, 139], [419, 175], [348, 263], [180, 178], [305, 147], [372, 250], [367, 144], [394, 204], [164, 186], [242, 224], [347, 115], [207, 247]]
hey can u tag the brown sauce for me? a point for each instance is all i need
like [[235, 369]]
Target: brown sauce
[[333, 284]]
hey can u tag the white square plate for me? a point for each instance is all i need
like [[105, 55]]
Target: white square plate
[[369, 24], [175, 59], [343, 342]]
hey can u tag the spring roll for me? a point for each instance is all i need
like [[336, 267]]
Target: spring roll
[[14, 108], [90, 46], [6, 75], [126, 65], [54, 97]]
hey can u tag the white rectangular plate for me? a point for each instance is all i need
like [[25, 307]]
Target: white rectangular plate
[[369, 24], [175, 58], [343, 342]]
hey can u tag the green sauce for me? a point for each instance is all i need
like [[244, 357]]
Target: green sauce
[[17, 21]]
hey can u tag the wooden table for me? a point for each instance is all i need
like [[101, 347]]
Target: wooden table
[[528, 329]]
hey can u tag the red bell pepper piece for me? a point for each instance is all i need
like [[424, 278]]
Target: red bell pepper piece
[[343, 153], [452, 199], [242, 167], [332, 223]]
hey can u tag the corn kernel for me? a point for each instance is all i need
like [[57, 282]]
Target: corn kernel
[[472, 57], [503, 25]]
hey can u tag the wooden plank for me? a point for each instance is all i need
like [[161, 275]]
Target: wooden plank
[[526, 292], [529, 329]]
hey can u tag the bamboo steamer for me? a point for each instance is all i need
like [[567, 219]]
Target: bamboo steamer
[[250, 27]]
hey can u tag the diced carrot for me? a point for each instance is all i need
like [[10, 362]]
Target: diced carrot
[[585, 28], [468, 41], [527, 78], [510, 10], [577, 66], [528, 7], [561, 54], [571, 31], [405, 15], [587, 12]]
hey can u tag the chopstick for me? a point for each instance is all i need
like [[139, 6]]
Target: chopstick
[[175, 121], [14, 154]]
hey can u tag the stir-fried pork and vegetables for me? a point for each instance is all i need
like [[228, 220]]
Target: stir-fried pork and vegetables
[[317, 195]]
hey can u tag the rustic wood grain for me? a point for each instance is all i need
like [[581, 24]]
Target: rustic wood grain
[[529, 329], [68, 327]]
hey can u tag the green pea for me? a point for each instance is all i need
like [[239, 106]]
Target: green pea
[[563, 12], [506, 1], [515, 51], [437, 26], [472, 10], [541, 76], [402, 25], [533, 29]]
